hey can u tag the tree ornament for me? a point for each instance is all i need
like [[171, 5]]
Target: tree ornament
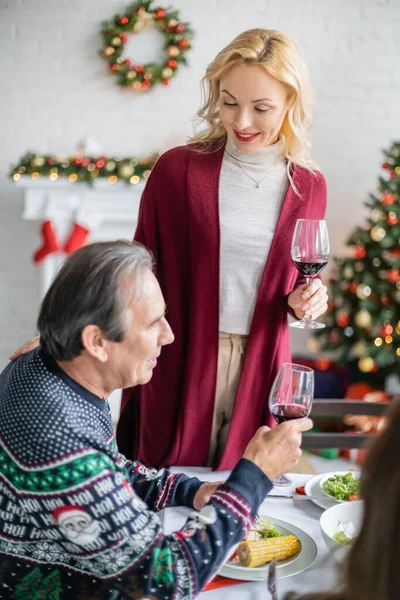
[[377, 233], [360, 252], [348, 272], [313, 345], [334, 336], [393, 276], [342, 319], [137, 18], [366, 364], [387, 199], [358, 349], [363, 291], [392, 219], [377, 215], [363, 319]]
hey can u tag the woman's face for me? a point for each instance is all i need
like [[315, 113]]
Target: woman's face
[[252, 106]]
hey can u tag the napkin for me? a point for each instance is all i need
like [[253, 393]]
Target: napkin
[[219, 581]]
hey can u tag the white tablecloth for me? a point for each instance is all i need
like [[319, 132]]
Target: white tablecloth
[[323, 574]]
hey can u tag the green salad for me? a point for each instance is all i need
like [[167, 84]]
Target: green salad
[[341, 537], [266, 529], [342, 486]]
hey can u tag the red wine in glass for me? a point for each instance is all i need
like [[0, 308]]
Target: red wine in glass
[[310, 269], [288, 412], [310, 254]]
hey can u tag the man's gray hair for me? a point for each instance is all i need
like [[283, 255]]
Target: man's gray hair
[[95, 286]]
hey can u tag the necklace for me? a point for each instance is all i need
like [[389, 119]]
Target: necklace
[[258, 182]]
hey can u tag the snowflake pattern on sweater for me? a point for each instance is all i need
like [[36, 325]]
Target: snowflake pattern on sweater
[[77, 520]]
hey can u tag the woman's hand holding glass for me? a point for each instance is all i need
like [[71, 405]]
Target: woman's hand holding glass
[[309, 298]]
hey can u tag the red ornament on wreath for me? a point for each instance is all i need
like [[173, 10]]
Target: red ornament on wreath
[[137, 18]]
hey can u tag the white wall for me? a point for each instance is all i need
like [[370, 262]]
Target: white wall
[[55, 89]]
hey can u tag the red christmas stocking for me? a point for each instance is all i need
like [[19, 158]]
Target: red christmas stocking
[[50, 243], [76, 239]]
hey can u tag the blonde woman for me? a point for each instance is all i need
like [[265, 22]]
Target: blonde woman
[[219, 215]]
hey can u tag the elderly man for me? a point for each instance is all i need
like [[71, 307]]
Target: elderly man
[[77, 519]]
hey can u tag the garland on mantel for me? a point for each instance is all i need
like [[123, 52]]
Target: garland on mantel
[[84, 169]]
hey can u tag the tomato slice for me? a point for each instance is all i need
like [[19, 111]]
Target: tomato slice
[[300, 490], [353, 497]]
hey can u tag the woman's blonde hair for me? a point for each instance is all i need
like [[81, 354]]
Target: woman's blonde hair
[[278, 55]]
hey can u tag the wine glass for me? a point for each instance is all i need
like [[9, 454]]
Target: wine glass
[[291, 397], [310, 254]]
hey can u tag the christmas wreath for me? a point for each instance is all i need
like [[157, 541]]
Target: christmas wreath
[[84, 168], [137, 18]]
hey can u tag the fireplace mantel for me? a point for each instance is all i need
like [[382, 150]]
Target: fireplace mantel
[[110, 209]]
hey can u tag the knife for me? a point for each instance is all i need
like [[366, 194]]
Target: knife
[[296, 497]]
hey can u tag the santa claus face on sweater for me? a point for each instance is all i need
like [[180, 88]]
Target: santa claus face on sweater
[[77, 525], [252, 106]]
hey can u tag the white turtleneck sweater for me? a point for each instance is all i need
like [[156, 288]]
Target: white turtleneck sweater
[[248, 217]]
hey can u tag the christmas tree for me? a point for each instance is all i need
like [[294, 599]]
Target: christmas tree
[[363, 317]]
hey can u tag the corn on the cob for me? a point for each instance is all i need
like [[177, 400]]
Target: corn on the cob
[[255, 553]]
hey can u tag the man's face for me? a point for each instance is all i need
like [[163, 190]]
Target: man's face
[[131, 362]]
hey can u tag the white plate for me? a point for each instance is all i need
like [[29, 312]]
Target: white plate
[[313, 489], [325, 478], [292, 566]]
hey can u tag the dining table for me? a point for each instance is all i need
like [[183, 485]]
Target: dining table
[[304, 514]]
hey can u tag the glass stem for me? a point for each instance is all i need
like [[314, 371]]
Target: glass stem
[[307, 314]]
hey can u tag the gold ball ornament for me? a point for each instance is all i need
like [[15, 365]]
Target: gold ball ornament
[[38, 161], [363, 291], [137, 86], [363, 318], [125, 170], [172, 23], [116, 41], [377, 262], [377, 233], [110, 165], [348, 272], [131, 75], [167, 73], [397, 170], [313, 345], [358, 349], [377, 215], [173, 51], [366, 364], [108, 51]]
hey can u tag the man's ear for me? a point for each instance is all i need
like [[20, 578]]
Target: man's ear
[[94, 342]]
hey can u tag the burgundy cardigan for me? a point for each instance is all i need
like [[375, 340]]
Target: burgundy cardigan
[[168, 420]]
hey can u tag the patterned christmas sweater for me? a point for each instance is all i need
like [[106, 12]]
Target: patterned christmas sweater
[[79, 521]]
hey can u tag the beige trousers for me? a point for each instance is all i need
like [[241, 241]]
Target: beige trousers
[[231, 352]]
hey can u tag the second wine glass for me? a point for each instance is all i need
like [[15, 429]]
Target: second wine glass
[[310, 254], [291, 397]]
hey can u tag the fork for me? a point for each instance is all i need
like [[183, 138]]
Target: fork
[[271, 579]]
